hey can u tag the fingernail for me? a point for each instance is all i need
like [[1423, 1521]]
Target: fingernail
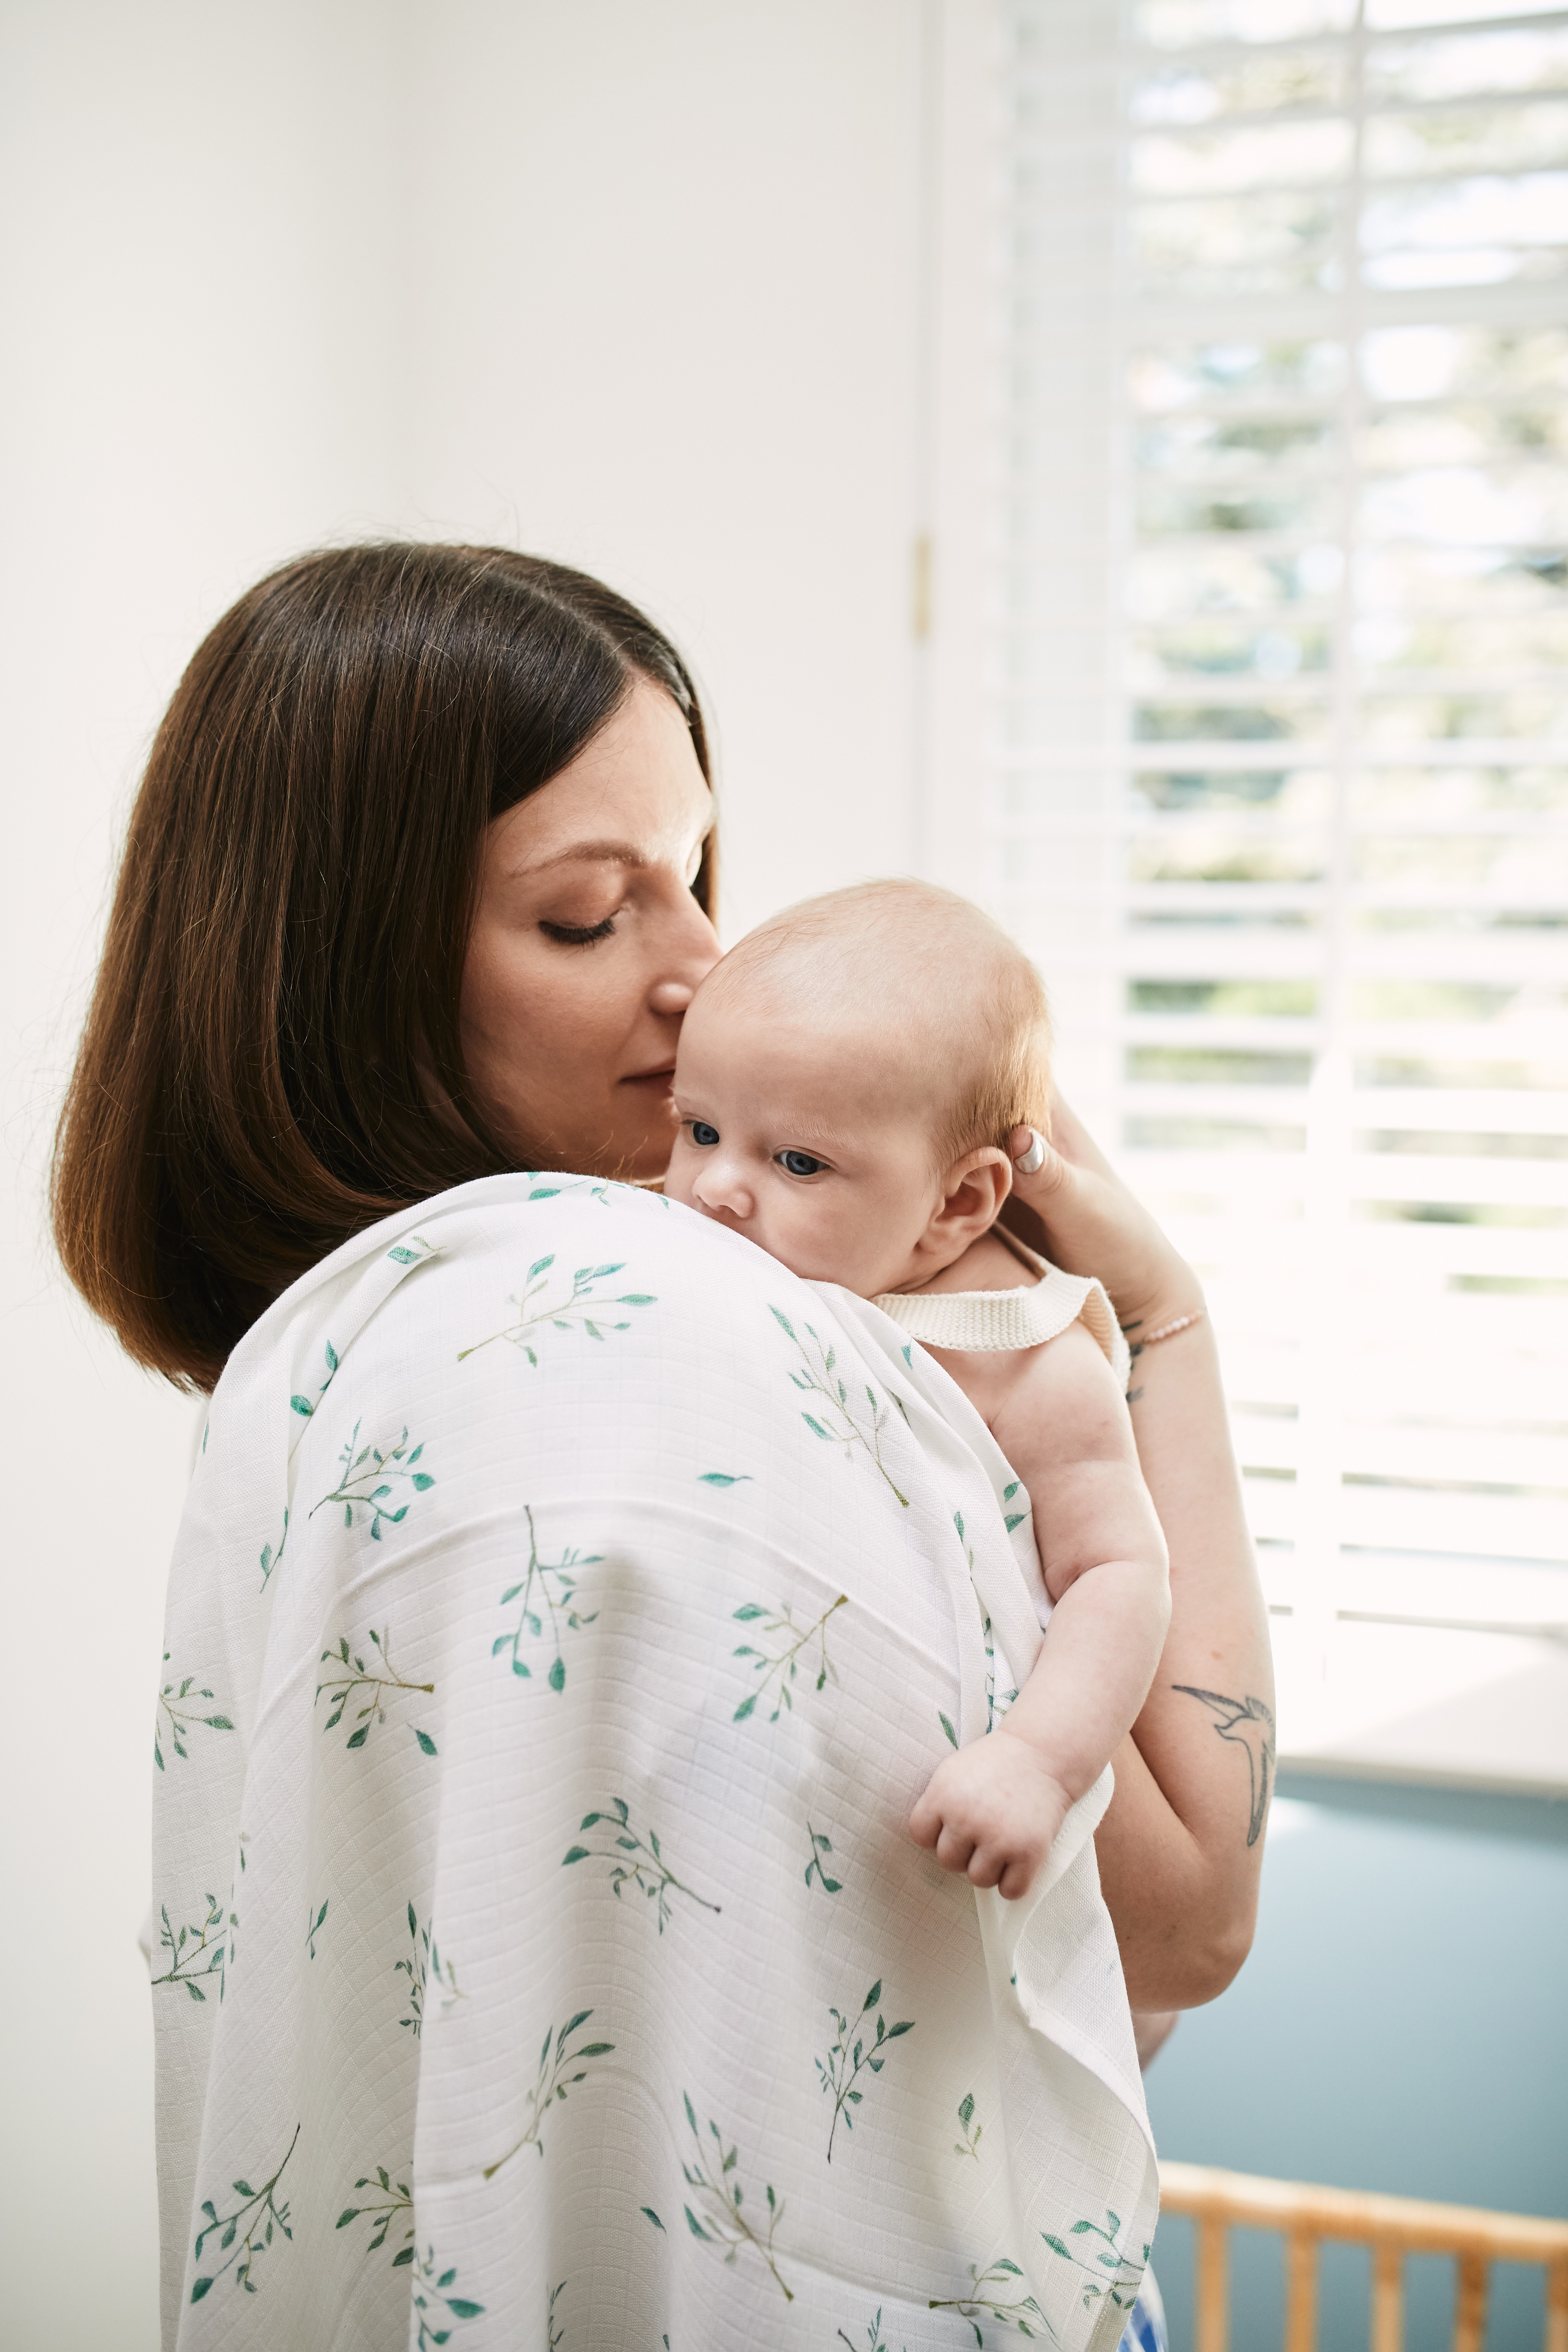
[[1033, 1160]]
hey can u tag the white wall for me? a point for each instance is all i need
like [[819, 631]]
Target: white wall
[[633, 282]]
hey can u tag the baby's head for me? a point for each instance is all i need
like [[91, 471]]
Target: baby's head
[[848, 1080]]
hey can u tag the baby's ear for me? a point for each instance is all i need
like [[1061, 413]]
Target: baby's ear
[[972, 1192]]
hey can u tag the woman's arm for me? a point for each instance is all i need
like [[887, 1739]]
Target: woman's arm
[[1182, 1845]]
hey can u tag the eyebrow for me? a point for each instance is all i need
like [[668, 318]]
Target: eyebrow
[[583, 852]]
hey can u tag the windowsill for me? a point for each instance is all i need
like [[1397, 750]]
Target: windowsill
[[1429, 1706]]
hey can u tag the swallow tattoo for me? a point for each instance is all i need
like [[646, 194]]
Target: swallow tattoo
[[1246, 1723]]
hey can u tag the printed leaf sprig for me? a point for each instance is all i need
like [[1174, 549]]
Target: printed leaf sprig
[[304, 1405], [396, 2199], [970, 2144], [814, 1869], [372, 1476], [1114, 2272], [633, 1861], [874, 2338], [555, 2333], [714, 2176], [853, 2054], [424, 1962], [548, 1589], [179, 1717], [269, 1558], [553, 2082], [985, 2301], [379, 1678], [246, 2233], [836, 1419], [194, 1951], [434, 2301], [584, 1310], [779, 1665]]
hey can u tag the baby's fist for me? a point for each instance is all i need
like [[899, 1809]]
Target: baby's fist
[[992, 1812]]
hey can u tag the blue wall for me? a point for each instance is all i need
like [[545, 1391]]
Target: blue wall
[[1402, 2026]]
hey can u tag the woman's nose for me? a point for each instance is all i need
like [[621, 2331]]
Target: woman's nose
[[691, 958], [671, 995]]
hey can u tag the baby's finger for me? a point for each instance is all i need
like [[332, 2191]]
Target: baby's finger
[[925, 1821], [1017, 1878], [954, 1848], [986, 1866]]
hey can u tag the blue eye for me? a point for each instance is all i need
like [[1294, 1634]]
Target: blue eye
[[703, 1134], [800, 1163]]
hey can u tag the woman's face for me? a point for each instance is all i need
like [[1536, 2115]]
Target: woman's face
[[588, 945]]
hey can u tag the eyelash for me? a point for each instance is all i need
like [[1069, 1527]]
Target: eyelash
[[579, 935]]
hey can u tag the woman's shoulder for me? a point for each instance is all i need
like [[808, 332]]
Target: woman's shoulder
[[556, 1240]]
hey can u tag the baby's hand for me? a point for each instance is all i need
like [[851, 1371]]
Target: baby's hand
[[992, 1812]]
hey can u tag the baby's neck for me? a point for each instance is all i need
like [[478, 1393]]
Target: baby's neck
[[987, 1263]]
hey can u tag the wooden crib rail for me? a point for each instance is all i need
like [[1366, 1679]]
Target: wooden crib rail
[[1391, 2226]]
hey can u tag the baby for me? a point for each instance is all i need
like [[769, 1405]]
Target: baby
[[847, 1082]]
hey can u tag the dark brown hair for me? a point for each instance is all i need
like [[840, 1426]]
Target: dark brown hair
[[286, 946]]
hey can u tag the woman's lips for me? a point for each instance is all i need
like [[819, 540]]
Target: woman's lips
[[656, 1081]]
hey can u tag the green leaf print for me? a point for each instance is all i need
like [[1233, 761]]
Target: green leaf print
[[269, 1558], [246, 2233], [179, 1714], [1113, 2271], [814, 1869], [553, 2081], [423, 1963], [837, 1419], [195, 1951], [435, 2302], [715, 2177], [548, 1589], [779, 1663], [413, 1250], [351, 1674], [852, 2054], [305, 1405], [970, 2144], [545, 1305], [633, 1861], [985, 2301], [372, 1475], [313, 1927], [724, 1478], [874, 2341], [395, 2202], [997, 1702], [556, 2335]]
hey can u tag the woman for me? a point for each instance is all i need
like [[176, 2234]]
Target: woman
[[417, 891]]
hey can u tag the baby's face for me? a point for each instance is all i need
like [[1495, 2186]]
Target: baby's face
[[799, 1141]]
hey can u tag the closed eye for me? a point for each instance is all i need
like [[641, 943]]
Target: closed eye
[[799, 1164], [579, 935]]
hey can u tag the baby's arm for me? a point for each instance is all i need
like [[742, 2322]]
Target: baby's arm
[[993, 1809]]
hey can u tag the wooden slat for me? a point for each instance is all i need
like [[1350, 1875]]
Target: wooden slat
[[1213, 2293], [1363, 2217], [1301, 2291], [1557, 2307], [1470, 2304], [1387, 2300]]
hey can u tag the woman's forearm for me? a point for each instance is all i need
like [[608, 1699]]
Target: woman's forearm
[[1181, 1848]]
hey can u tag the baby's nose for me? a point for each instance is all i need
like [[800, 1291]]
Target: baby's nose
[[722, 1192]]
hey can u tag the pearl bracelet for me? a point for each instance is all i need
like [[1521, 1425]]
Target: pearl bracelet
[[1169, 1330]]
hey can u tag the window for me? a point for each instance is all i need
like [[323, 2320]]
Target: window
[[1275, 729]]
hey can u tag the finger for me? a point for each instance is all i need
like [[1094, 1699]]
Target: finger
[[1016, 1879], [954, 1848], [986, 1866], [925, 1821]]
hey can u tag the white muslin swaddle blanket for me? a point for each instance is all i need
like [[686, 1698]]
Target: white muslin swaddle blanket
[[569, 1607]]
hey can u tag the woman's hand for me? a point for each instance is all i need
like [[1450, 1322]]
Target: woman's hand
[[1075, 1211]]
